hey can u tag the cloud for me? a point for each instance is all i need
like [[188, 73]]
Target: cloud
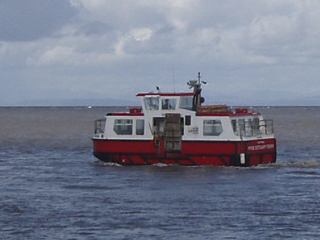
[[240, 46], [32, 19], [94, 28]]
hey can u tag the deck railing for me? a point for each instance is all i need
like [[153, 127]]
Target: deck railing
[[266, 127], [99, 126], [249, 128]]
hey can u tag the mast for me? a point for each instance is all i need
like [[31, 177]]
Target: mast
[[196, 85]]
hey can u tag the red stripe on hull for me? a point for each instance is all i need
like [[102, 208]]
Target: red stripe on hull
[[192, 153]]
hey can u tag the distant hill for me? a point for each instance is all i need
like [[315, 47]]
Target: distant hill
[[76, 102]]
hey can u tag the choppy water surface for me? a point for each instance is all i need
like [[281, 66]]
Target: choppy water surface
[[51, 187]]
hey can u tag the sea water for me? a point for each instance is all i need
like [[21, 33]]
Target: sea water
[[51, 187]]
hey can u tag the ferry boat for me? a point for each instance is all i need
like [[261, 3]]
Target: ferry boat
[[176, 128]]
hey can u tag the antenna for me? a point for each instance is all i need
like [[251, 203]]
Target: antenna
[[199, 79], [196, 85], [174, 80]]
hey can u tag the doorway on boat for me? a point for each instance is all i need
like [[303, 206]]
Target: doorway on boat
[[170, 129], [173, 130], [158, 130]]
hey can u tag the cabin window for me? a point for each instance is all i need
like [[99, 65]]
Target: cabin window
[[139, 127], [169, 104], [186, 102], [212, 127], [188, 120], [151, 103], [234, 125], [123, 126]]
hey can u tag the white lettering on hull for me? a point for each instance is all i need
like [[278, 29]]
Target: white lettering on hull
[[261, 147]]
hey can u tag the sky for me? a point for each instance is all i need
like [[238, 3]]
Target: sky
[[103, 52]]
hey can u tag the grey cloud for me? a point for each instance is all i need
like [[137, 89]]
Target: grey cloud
[[241, 47], [94, 28], [161, 42], [32, 19]]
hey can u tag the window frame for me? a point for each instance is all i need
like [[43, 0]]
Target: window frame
[[140, 127], [186, 102], [123, 126], [171, 103], [215, 126], [152, 103]]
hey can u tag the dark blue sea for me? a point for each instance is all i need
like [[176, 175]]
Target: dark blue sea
[[51, 187]]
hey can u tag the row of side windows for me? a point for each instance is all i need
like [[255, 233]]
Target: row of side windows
[[125, 126]]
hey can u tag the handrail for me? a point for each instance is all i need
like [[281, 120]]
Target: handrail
[[249, 128], [267, 127], [99, 126]]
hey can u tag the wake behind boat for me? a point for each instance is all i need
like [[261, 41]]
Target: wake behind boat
[[175, 128]]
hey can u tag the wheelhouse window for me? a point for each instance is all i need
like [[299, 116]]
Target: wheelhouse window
[[169, 104], [186, 102], [139, 127], [151, 103], [123, 126], [212, 127]]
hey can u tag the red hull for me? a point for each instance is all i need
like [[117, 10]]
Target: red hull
[[133, 152]]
